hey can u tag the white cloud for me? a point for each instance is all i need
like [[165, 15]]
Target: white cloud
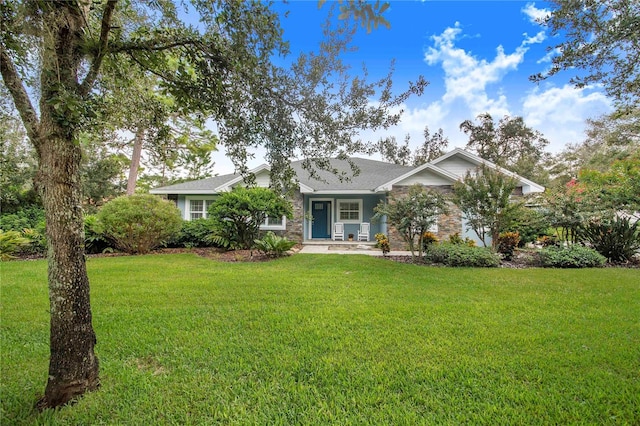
[[535, 15], [560, 112], [467, 77], [536, 39]]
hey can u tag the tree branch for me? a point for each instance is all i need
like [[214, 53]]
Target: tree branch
[[21, 100], [154, 45], [102, 47]]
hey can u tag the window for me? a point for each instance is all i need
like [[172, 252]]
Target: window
[[197, 208], [350, 211], [274, 223]]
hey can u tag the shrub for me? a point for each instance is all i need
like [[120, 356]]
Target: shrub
[[548, 241], [456, 239], [30, 217], [274, 246], [462, 255], [528, 222], [507, 243], [10, 244], [382, 242], [139, 223], [573, 256], [617, 239], [37, 241], [429, 238], [94, 239], [194, 233], [238, 214]]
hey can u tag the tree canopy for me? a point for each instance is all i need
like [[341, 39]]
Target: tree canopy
[[601, 38], [510, 143], [434, 146]]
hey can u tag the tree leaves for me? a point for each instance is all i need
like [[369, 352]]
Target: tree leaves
[[603, 39]]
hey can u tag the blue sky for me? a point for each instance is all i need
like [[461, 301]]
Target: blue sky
[[477, 56]]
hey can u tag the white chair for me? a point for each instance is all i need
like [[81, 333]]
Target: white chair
[[338, 231], [363, 232]]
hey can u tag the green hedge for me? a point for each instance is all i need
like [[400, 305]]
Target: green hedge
[[461, 255], [573, 256]]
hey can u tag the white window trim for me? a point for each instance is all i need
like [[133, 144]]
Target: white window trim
[[279, 227], [340, 201], [187, 204]]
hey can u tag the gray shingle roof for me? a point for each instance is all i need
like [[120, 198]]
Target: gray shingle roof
[[208, 184], [371, 175]]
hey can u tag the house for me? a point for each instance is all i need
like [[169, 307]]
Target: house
[[319, 204]]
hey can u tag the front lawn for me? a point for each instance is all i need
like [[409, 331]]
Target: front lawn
[[326, 339]]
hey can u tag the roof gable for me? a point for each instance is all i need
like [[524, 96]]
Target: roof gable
[[456, 162], [373, 176]]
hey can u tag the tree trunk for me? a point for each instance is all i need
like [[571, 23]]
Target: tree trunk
[[73, 366], [135, 162]]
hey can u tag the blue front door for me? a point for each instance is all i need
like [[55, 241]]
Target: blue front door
[[321, 213]]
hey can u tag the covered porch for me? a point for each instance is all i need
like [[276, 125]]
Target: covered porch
[[323, 211]]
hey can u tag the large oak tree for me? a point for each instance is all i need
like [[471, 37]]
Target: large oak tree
[[52, 62]]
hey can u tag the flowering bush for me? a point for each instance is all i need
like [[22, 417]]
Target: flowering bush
[[382, 243]]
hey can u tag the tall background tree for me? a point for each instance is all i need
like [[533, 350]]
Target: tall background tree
[[17, 162], [509, 143], [609, 138], [221, 69], [433, 146]]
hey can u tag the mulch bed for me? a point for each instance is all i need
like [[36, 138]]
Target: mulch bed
[[521, 261]]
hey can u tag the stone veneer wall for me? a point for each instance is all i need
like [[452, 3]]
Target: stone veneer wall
[[295, 227], [448, 224]]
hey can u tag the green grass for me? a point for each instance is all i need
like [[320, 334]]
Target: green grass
[[332, 339]]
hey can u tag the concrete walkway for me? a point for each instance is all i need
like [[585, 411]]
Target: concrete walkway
[[367, 250]]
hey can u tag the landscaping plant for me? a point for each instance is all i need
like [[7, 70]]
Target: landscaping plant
[[94, 238], [10, 244], [484, 199], [194, 233], [139, 223], [274, 246], [457, 239], [573, 256], [461, 255], [616, 238], [507, 243], [382, 242], [237, 215], [413, 215]]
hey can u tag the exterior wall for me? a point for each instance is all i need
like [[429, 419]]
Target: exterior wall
[[457, 165], [425, 177], [448, 224], [295, 226]]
